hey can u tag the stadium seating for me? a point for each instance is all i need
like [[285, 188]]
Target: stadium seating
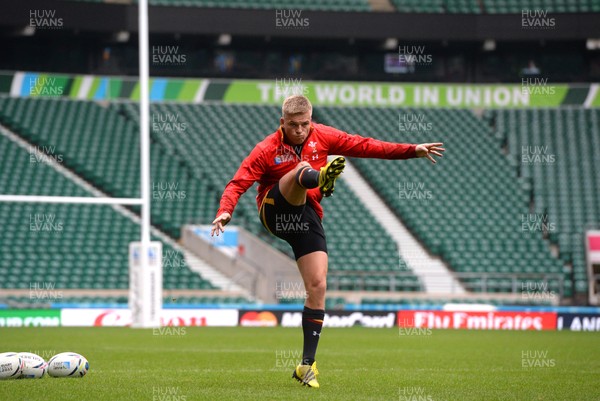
[[495, 6], [551, 6], [315, 5], [186, 159], [475, 203], [220, 124], [556, 152], [69, 246], [321, 5], [438, 6], [468, 207], [103, 147], [405, 6]]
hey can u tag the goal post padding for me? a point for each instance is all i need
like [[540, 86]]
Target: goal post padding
[[145, 284]]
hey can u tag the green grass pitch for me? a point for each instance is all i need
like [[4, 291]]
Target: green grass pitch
[[355, 364]]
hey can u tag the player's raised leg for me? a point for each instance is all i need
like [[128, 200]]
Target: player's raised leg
[[294, 184], [313, 269]]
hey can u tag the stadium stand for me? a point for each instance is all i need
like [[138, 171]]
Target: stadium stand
[[551, 6], [112, 166], [468, 208], [564, 183], [221, 130], [315, 5], [495, 6], [483, 235], [102, 148], [405, 6], [73, 246], [437, 6]]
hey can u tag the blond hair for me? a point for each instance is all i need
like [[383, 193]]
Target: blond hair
[[296, 104]]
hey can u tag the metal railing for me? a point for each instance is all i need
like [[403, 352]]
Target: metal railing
[[548, 284]]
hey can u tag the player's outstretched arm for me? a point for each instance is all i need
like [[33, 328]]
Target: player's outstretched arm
[[344, 144], [429, 149], [250, 171], [219, 223]]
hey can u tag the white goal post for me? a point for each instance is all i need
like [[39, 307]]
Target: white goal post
[[145, 257]]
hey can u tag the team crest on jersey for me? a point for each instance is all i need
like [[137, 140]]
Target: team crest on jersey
[[313, 145]]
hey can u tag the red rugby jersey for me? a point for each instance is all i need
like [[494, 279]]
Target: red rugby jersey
[[272, 158]]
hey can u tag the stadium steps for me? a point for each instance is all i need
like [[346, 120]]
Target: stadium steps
[[209, 273], [193, 262], [433, 272]]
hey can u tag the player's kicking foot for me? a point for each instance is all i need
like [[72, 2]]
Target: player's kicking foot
[[329, 174], [307, 375]]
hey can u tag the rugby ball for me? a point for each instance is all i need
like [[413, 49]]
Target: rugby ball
[[35, 366], [68, 364], [11, 366]]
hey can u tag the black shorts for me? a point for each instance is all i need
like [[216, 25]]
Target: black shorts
[[299, 226]]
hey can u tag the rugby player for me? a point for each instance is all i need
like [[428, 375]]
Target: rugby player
[[291, 168]]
